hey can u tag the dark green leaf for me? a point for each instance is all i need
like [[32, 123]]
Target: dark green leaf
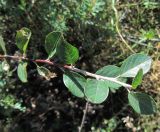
[[22, 71], [133, 63], [67, 53], [111, 71], [22, 39], [142, 103], [96, 91], [2, 45], [52, 40], [138, 79], [75, 83]]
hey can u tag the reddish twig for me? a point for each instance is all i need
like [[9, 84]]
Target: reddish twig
[[69, 67]]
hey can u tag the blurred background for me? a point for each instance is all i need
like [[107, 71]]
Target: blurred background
[[105, 32]]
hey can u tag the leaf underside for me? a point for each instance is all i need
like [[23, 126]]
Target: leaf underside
[[111, 71], [96, 91], [134, 63]]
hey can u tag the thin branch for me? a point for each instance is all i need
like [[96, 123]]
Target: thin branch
[[84, 116], [137, 40], [86, 73], [18, 58], [99, 77], [117, 27]]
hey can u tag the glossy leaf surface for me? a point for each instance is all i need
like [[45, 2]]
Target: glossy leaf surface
[[67, 53], [52, 40]]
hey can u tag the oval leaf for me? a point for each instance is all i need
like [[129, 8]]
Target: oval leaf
[[44, 72], [96, 91], [22, 39], [67, 53], [2, 45], [22, 71], [133, 63], [111, 71], [138, 79], [142, 103], [51, 42], [75, 83]]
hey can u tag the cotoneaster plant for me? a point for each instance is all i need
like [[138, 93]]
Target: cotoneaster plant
[[93, 87]]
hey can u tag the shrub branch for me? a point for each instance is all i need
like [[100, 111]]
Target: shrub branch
[[84, 116], [69, 67]]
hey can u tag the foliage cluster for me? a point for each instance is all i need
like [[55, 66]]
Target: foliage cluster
[[93, 90], [91, 25]]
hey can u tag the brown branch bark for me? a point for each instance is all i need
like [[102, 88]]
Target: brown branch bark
[[69, 67]]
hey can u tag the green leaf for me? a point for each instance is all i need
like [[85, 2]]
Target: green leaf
[[2, 45], [142, 103], [22, 39], [138, 79], [111, 71], [75, 83], [67, 53], [52, 40], [133, 63], [96, 91], [22, 71]]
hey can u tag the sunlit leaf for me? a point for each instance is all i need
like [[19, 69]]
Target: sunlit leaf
[[22, 39], [138, 79], [133, 63]]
